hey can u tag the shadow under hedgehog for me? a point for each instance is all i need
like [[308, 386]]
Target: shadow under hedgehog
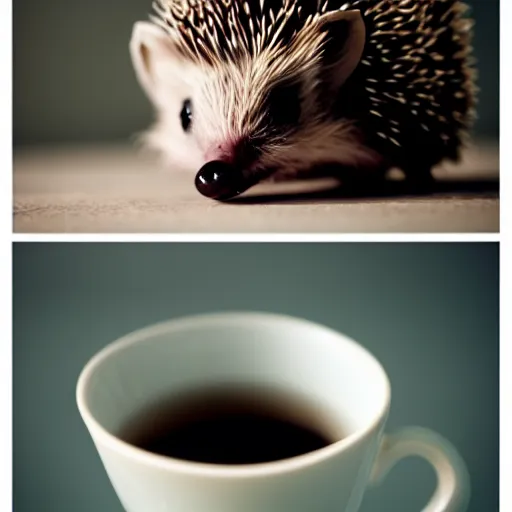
[[247, 90]]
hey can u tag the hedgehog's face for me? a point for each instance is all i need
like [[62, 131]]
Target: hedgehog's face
[[263, 114]]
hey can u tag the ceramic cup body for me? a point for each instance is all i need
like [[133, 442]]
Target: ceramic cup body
[[238, 349]]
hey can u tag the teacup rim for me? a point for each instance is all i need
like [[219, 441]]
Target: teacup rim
[[102, 436]]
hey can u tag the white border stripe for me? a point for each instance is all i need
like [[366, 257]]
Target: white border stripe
[[246, 238]]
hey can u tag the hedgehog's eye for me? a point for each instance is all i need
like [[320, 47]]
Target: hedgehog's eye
[[283, 105], [186, 115]]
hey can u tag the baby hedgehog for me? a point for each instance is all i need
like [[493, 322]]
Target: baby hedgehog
[[246, 90]]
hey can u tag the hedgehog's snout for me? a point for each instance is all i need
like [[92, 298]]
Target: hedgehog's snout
[[227, 174], [221, 180], [218, 180]]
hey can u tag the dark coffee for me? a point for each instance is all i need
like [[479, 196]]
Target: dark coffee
[[225, 427]]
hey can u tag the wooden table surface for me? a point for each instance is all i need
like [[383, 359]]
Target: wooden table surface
[[118, 189]]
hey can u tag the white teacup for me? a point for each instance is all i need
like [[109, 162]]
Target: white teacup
[[256, 348]]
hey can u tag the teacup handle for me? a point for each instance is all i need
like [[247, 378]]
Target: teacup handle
[[453, 488]]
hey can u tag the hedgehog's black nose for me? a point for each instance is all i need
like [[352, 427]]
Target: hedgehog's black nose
[[220, 180]]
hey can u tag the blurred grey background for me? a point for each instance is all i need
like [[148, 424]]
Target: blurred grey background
[[429, 312], [73, 79]]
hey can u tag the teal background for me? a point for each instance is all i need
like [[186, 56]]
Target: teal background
[[73, 78], [429, 312]]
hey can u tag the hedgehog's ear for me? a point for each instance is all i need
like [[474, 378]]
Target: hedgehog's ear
[[344, 46], [151, 50]]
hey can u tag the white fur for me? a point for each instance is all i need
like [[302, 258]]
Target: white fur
[[169, 81]]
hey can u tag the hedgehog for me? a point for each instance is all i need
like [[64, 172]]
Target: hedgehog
[[252, 90]]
